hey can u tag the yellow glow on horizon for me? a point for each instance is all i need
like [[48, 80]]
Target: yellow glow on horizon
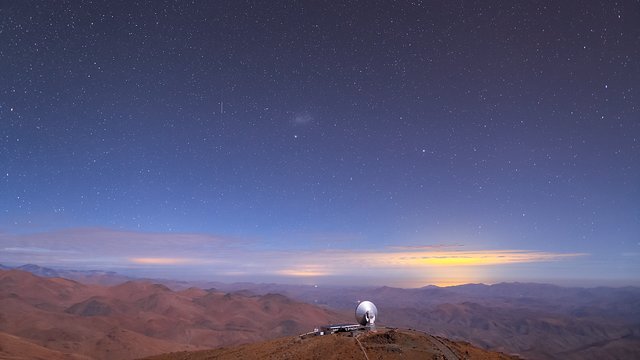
[[457, 261], [440, 267], [451, 282], [469, 258]]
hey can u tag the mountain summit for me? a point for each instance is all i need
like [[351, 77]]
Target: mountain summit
[[384, 343]]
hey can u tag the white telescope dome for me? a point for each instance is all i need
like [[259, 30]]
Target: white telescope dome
[[366, 313]]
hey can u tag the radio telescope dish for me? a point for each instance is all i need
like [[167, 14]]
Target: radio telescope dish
[[366, 313]]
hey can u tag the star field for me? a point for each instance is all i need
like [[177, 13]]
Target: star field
[[303, 126]]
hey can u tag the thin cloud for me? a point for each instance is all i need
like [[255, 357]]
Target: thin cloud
[[164, 261], [305, 271], [474, 258], [112, 248], [424, 247], [346, 261], [218, 255], [37, 250]]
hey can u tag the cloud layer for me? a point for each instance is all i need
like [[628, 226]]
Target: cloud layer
[[222, 256]]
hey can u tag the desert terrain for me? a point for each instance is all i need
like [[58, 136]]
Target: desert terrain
[[137, 318], [110, 316], [536, 321], [382, 343]]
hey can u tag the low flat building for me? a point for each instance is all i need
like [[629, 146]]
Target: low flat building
[[334, 328]]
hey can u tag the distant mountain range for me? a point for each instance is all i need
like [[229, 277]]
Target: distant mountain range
[[538, 321], [84, 276]]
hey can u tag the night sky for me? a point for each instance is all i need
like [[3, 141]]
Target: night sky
[[368, 142]]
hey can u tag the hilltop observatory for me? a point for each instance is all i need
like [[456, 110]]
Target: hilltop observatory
[[366, 314]]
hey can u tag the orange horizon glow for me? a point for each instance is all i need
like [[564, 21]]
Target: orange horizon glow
[[304, 272]]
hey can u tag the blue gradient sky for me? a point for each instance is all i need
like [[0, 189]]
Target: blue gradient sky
[[406, 143]]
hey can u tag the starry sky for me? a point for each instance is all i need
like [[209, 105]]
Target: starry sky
[[402, 143]]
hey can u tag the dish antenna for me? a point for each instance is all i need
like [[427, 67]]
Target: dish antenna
[[366, 313]]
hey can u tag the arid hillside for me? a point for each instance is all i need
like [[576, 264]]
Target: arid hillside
[[384, 343], [60, 318], [142, 317], [538, 321]]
